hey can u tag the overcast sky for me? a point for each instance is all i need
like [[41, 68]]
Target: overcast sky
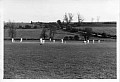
[[52, 10]]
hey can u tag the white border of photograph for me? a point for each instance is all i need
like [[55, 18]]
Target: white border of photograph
[[54, 80]]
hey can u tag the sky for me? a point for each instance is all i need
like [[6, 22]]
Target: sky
[[53, 10]]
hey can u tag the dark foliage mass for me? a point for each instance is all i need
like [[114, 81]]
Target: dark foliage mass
[[87, 33], [27, 27], [76, 37]]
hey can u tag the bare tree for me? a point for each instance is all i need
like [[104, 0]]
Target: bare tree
[[80, 19], [68, 18], [92, 19], [12, 30], [98, 18]]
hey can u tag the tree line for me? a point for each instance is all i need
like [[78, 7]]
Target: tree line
[[65, 25]]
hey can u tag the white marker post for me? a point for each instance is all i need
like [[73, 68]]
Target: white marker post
[[54, 41], [50, 39], [85, 42], [21, 40], [41, 40], [98, 41], [88, 41], [12, 39], [93, 41], [62, 40]]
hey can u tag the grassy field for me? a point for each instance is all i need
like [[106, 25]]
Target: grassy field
[[72, 60], [35, 33], [108, 30]]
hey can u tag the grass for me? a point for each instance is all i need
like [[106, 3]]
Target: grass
[[72, 60], [25, 33], [35, 33], [108, 30]]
